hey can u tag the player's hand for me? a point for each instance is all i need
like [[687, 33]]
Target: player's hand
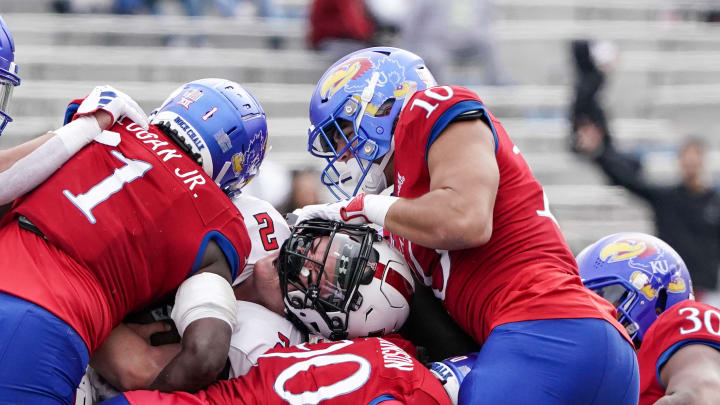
[[114, 102], [350, 211], [590, 139]]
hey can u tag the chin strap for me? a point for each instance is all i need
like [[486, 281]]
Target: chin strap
[[373, 185], [365, 97], [411, 90]]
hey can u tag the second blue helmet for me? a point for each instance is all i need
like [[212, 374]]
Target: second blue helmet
[[223, 125]]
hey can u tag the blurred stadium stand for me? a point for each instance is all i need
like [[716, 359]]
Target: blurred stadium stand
[[666, 83]]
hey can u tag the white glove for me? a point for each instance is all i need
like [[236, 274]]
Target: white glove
[[114, 102], [359, 210]]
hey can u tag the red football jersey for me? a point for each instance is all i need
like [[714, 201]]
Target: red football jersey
[[687, 322], [526, 270], [131, 220], [360, 371]]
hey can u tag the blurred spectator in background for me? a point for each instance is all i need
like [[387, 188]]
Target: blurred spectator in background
[[229, 8], [272, 184], [592, 62], [305, 190], [340, 27], [83, 6], [687, 215], [453, 32], [135, 6]]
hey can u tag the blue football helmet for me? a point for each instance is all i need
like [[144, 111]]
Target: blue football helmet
[[639, 274], [354, 109], [223, 127], [8, 72], [451, 373]]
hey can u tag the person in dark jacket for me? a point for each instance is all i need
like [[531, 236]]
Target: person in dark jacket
[[687, 214]]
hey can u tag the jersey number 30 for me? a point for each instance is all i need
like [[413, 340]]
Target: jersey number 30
[[697, 324]]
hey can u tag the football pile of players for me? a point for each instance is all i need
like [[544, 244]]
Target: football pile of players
[[134, 270]]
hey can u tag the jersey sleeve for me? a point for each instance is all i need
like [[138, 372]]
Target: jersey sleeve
[[234, 254], [266, 228], [429, 112], [258, 330], [685, 323]]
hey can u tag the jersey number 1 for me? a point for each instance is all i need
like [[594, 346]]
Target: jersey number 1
[[133, 169]]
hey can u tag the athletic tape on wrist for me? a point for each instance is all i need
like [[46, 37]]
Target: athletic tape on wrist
[[204, 295], [78, 133], [377, 206]]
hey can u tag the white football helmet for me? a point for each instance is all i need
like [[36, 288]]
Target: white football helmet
[[343, 281]]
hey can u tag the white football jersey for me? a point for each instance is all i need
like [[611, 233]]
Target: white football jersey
[[258, 330], [266, 227]]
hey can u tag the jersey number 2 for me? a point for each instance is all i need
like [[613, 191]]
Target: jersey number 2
[[269, 243], [133, 170]]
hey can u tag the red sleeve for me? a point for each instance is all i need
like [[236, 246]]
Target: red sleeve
[[429, 112], [161, 398], [687, 322], [423, 398], [405, 345]]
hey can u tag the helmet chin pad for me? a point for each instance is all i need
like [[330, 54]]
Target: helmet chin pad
[[370, 178]]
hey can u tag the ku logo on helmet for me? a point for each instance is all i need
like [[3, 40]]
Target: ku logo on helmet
[[345, 72], [250, 160], [625, 250], [641, 281], [237, 162], [392, 82], [677, 284]]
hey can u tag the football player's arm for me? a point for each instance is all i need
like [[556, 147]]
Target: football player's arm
[[457, 212], [128, 361], [622, 170], [691, 376], [205, 315], [9, 156], [24, 167]]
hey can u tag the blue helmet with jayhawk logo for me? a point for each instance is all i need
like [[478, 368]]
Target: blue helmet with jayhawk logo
[[365, 91], [8, 72], [639, 274], [222, 125]]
